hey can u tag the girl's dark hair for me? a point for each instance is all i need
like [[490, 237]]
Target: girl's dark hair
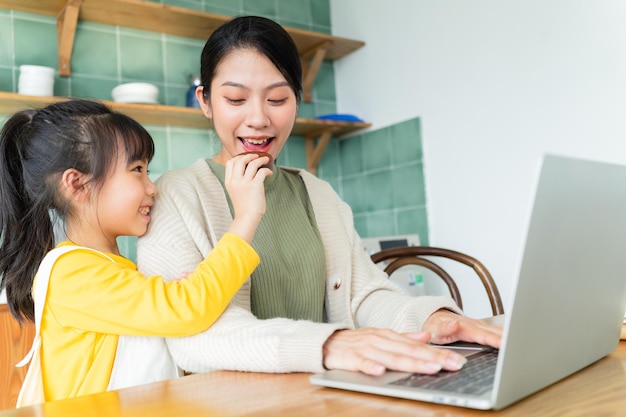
[[256, 33], [36, 147]]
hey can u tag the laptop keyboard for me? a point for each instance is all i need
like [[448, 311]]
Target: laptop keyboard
[[475, 378]]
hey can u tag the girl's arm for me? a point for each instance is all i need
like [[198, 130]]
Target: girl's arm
[[89, 292], [135, 305]]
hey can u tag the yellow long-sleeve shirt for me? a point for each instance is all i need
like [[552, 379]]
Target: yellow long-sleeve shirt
[[91, 301]]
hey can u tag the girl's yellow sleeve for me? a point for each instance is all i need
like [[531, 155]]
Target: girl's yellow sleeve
[[89, 292]]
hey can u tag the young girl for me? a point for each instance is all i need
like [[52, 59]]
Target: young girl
[[79, 162]]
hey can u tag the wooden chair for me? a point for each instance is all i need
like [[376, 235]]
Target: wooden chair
[[419, 255]]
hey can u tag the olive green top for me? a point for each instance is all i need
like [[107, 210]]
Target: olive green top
[[290, 281]]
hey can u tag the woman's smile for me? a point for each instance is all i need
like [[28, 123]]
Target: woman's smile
[[256, 144], [251, 103]]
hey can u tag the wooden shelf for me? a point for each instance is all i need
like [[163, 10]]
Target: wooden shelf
[[313, 47], [316, 132]]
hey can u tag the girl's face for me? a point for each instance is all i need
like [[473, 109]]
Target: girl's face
[[122, 206], [252, 105]]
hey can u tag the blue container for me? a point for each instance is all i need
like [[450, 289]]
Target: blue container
[[192, 101]]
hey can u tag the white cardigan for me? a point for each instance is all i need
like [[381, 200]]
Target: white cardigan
[[190, 215]]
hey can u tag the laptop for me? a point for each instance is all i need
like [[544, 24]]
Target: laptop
[[568, 303]]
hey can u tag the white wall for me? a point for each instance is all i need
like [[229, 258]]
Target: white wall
[[496, 84]]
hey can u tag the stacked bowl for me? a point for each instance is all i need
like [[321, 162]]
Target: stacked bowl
[[144, 93], [36, 80]]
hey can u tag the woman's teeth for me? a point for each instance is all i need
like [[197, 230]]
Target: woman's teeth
[[256, 142], [144, 210]]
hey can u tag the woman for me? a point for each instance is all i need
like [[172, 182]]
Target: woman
[[316, 301]]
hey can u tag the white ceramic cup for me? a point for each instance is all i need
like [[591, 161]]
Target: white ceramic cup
[[36, 80]]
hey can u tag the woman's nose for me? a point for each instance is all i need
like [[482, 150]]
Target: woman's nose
[[257, 116]]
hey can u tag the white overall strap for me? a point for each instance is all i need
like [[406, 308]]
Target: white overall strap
[[41, 291]]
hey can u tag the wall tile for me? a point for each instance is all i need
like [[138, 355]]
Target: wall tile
[[128, 246], [141, 57], [378, 194], [407, 183], [307, 110], [160, 161], [324, 107], [93, 88], [260, 8], [191, 144], [407, 141], [227, 7], [360, 224], [353, 193], [174, 95], [298, 11], [181, 60], [325, 82], [329, 165], [391, 191], [376, 149], [6, 80], [351, 155], [414, 221], [95, 51], [35, 40], [61, 87], [320, 14], [380, 224], [6, 40], [294, 153]]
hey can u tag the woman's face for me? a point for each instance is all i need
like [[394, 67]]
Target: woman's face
[[252, 106]]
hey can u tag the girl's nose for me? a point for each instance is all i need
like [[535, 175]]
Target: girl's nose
[[151, 188]]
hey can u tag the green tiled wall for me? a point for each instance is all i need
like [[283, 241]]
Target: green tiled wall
[[380, 175], [371, 181]]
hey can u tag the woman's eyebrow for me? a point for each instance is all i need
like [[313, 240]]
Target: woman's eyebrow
[[232, 84], [269, 87], [278, 84]]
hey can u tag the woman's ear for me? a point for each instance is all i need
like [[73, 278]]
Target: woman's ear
[[204, 105], [74, 183]]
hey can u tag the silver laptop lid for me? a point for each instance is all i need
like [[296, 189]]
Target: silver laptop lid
[[573, 272]]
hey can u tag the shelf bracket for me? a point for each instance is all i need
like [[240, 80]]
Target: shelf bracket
[[310, 69], [315, 151], [66, 29]]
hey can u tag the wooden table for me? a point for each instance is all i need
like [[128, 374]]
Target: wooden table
[[597, 390]]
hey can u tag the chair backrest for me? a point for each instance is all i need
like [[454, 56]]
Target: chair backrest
[[420, 255]]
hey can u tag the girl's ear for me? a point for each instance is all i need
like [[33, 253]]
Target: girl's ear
[[74, 183], [206, 108]]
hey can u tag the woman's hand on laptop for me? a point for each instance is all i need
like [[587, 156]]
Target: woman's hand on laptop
[[373, 351], [448, 327]]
